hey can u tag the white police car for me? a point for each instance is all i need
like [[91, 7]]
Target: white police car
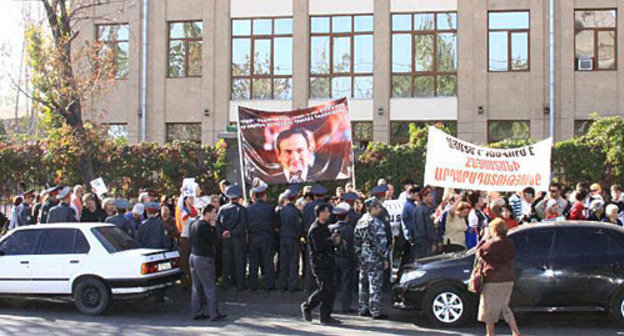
[[89, 262]]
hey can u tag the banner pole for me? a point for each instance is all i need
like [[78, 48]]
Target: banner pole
[[240, 154]]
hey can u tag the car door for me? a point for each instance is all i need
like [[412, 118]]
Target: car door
[[583, 267], [533, 265], [57, 260], [15, 261]]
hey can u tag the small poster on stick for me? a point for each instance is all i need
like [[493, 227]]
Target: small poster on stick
[[99, 186]]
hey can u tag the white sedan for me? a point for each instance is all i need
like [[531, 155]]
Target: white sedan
[[89, 262]]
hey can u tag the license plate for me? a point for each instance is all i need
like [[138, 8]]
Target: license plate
[[164, 266]]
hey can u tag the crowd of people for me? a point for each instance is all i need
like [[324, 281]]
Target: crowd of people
[[339, 245]]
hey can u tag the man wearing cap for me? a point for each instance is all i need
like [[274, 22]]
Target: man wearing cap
[[119, 220], [262, 225], [290, 234], [63, 212], [152, 233], [51, 202], [371, 251], [24, 214], [345, 256], [322, 245], [232, 226], [309, 216], [353, 216], [422, 235], [380, 193]]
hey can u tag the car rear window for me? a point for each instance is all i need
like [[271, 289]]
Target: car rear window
[[114, 240]]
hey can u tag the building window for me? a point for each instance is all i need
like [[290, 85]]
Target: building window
[[268, 73], [184, 132], [185, 49], [115, 39], [116, 131], [499, 130], [424, 55], [341, 56], [362, 133], [581, 127], [508, 41], [400, 130], [595, 39]]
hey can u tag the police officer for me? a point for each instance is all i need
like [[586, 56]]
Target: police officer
[[63, 212], [353, 215], [232, 226], [121, 204], [262, 225], [51, 202], [345, 256], [152, 233], [379, 192], [290, 234], [322, 245], [371, 250], [309, 216], [24, 215]]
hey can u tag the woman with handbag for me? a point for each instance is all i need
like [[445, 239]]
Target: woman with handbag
[[497, 266]]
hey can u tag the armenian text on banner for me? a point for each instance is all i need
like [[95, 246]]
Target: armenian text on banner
[[307, 145], [454, 163]]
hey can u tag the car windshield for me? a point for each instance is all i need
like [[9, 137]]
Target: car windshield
[[114, 240]]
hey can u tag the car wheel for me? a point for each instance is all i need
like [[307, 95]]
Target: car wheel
[[617, 307], [91, 296], [447, 306]]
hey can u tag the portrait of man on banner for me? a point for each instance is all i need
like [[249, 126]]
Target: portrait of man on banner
[[307, 145]]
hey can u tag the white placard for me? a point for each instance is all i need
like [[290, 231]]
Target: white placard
[[99, 186], [395, 209], [455, 163], [188, 186]]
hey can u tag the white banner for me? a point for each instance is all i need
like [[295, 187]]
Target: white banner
[[395, 209], [454, 163]]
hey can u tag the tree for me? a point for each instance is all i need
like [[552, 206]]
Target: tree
[[66, 77]]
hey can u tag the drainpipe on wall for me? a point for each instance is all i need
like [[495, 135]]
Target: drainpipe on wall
[[552, 69], [143, 68]]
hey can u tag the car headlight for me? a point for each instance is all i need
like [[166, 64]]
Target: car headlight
[[411, 275]]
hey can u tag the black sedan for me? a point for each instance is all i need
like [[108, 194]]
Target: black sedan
[[560, 266]]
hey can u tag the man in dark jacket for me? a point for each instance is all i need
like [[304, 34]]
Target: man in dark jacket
[[290, 234], [262, 223], [51, 202], [345, 256], [24, 213], [423, 234], [232, 228], [63, 212], [322, 246], [318, 192], [152, 233], [121, 204]]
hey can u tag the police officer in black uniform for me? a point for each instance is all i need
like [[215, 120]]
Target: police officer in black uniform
[[24, 213], [345, 256], [232, 229], [63, 212], [309, 216], [152, 233], [262, 224], [290, 235], [51, 202], [322, 248], [119, 219]]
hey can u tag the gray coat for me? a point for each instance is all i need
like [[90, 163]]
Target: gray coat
[[123, 224], [62, 213]]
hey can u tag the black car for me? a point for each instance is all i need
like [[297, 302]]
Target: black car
[[560, 266]]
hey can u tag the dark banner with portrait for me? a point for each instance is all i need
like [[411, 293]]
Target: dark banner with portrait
[[312, 144]]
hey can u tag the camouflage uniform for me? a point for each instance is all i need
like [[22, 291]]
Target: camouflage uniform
[[371, 249]]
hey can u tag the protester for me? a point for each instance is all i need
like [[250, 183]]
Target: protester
[[423, 236], [477, 221], [611, 215], [390, 192], [616, 197], [187, 216], [553, 206], [223, 185], [497, 255], [108, 205], [596, 191], [91, 213], [453, 228], [39, 203], [578, 211], [203, 241], [596, 211], [528, 214], [63, 212], [77, 201], [170, 225], [322, 244], [407, 184]]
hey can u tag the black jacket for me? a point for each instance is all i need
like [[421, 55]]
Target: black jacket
[[152, 234], [232, 217], [203, 239], [322, 250], [291, 224], [62, 213], [262, 219]]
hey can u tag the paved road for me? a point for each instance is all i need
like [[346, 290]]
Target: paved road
[[256, 313]]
